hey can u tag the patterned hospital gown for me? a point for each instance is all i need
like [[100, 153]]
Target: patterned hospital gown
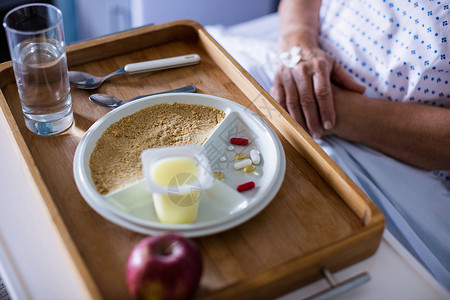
[[400, 50]]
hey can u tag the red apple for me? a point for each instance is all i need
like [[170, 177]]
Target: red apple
[[166, 266]]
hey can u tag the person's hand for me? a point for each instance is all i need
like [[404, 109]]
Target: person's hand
[[305, 90], [348, 105]]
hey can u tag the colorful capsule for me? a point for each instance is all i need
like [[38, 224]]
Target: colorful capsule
[[242, 164], [249, 169], [219, 175], [239, 141], [245, 186], [240, 156]]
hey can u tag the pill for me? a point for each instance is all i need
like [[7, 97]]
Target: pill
[[219, 175], [242, 164], [245, 186], [255, 156], [230, 148], [240, 156], [249, 169], [239, 141], [222, 159]]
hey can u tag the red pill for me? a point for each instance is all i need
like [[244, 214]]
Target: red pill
[[239, 141], [245, 186]]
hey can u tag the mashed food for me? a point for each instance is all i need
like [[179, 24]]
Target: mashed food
[[115, 162]]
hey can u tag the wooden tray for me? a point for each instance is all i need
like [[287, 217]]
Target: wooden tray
[[319, 217]]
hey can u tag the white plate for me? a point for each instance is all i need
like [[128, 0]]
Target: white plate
[[221, 207]]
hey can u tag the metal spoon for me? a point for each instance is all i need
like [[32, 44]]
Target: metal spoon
[[113, 102], [88, 81]]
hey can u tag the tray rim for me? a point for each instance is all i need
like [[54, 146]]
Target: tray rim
[[344, 186], [370, 216], [40, 190]]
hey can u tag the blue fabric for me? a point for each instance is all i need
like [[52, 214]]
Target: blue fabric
[[415, 203], [397, 49], [3, 292]]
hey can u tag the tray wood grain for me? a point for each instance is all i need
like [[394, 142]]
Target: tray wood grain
[[318, 218]]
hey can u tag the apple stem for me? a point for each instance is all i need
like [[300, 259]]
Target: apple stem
[[167, 248]]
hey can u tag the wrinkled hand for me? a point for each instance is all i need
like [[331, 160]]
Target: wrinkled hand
[[305, 90]]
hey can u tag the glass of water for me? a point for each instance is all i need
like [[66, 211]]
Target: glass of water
[[36, 42]]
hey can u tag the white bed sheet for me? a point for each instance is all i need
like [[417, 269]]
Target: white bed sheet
[[416, 203]]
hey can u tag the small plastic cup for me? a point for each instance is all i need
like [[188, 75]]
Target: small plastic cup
[[176, 176]]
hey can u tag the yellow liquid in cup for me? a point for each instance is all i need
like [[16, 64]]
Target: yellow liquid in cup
[[173, 207]]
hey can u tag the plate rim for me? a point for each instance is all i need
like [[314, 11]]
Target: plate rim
[[90, 194]]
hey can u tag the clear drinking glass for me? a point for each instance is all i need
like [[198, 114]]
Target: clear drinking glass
[[36, 42]]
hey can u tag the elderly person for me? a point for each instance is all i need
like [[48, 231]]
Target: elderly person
[[372, 86], [376, 74], [398, 51]]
